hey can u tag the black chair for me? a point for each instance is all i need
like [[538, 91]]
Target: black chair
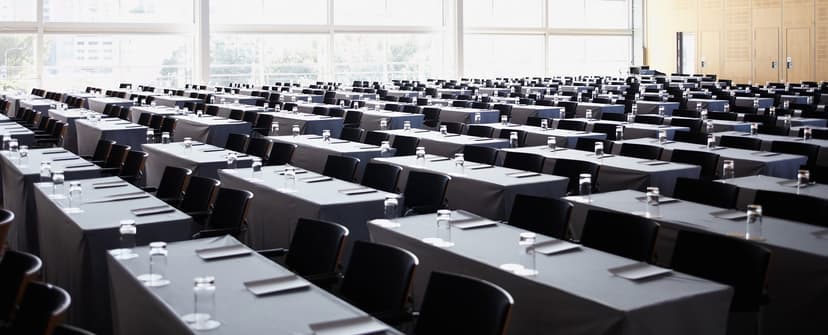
[[212, 110], [622, 234], [168, 125], [280, 153], [741, 142], [694, 124], [382, 177], [378, 280], [405, 145], [18, 269], [341, 167], [588, 144], [431, 117], [314, 250], [817, 133], [706, 192], [479, 154], [690, 137], [236, 142], [376, 138], [504, 109], [649, 119], [457, 304], [6, 218], [228, 214], [727, 116], [792, 206], [117, 154], [642, 151], [686, 113], [319, 110], [605, 128], [65, 329], [197, 197], [614, 117], [101, 152], [155, 122], [575, 125], [353, 119], [546, 216], [524, 161], [424, 192], [479, 130], [41, 309], [708, 161], [336, 112], [171, 185], [454, 127], [805, 149], [263, 124], [236, 114], [259, 147], [740, 264], [352, 134], [572, 169], [132, 169]]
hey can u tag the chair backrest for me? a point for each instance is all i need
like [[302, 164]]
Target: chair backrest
[[642, 151], [614, 117], [507, 133], [378, 278], [576, 125], [588, 144], [155, 121], [320, 110], [172, 182], [457, 304], [623, 234], [133, 164], [479, 154], [740, 264], [453, 127], [572, 168], [431, 115], [479, 130], [236, 114], [728, 116], [524, 161], [341, 167], [144, 118], [315, 247], [605, 128], [690, 137], [41, 309], [198, 194], [805, 149], [425, 191], [352, 134], [102, 149], [708, 161], [546, 216], [405, 145], [741, 142], [212, 110], [791, 206], [116, 156], [258, 146], [706, 192], [6, 218], [336, 112], [693, 124], [281, 153], [383, 177], [168, 124], [18, 269], [649, 119], [375, 137], [686, 113], [353, 118], [236, 142], [229, 208]]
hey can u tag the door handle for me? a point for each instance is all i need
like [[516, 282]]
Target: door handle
[[789, 62], [773, 64]]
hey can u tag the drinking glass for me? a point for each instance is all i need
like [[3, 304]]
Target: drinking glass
[[631, 118], [753, 229], [420, 152], [23, 154], [504, 120], [551, 143], [295, 130], [513, 139], [188, 143], [711, 142], [786, 104], [599, 149], [444, 229], [709, 127], [407, 125], [231, 160], [326, 136], [383, 124], [661, 110], [755, 104], [459, 162], [754, 128], [619, 133], [443, 130], [150, 136], [6, 141], [390, 207], [385, 149], [806, 133], [652, 202], [127, 231], [157, 265], [728, 169], [295, 110], [13, 145], [727, 108], [57, 183], [45, 171], [165, 137], [75, 194], [585, 186], [802, 179], [662, 136], [544, 124], [290, 178], [477, 117], [256, 167], [588, 114], [526, 252], [204, 304], [274, 129]]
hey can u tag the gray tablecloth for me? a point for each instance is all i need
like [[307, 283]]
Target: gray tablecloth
[[308, 123], [312, 153], [718, 125], [635, 130], [537, 136], [120, 131], [39, 105], [371, 119], [292, 97], [99, 104], [224, 109], [397, 93], [203, 164], [710, 104], [749, 185], [748, 102], [208, 129], [619, 172], [597, 109], [174, 100], [14, 100], [521, 113], [23, 135], [651, 107], [274, 211], [487, 192], [18, 196], [794, 99], [466, 115], [767, 142], [573, 292], [136, 111], [798, 274], [437, 144], [73, 246], [747, 162], [139, 310], [356, 95], [70, 140]]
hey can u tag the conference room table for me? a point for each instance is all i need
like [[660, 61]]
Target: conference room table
[[293, 97], [713, 105], [651, 107], [225, 109], [203, 159], [4, 119], [141, 310], [371, 119], [573, 292], [236, 98], [74, 239], [14, 99], [308, 123], [136, 111], [750, 184], [800, 122], [312, 153], [23, 135], [718, 125], [39, 105], [538, 136], [446, 145], [794, 99], [493, 91], [522, 113], [633, 130], [618, 172], [749, 102], [767, 142], [356, 95], [401, 93], [208, 129], [115, 129], [274, 209], [18, 195], [797, 280], [69, 116], [597, 109], [99, 103], [482, 189], [174, 100], [746, 162], [466, 115], [573, 88]]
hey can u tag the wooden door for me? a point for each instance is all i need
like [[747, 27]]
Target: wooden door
[[798, 48], [766, 62], [709, 52]]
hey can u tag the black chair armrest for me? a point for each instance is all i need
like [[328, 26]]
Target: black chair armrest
[[416, 210], [216, 232], [273, 253], [149, 189], [110, 171]]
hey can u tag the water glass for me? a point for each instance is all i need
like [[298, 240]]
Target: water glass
[[256, 167], [290, 178], [755, 103], [652, 202], [407, 125], [728, 169], [383, 124], [75, 194], [157, 265], [23, 154], [390, 206], [753, 229], [477, 117], [585, 185], [662, 136], [188, 143], [631, 118], [709, 128], [326, 136], [772, 111], [754, 128], [504, 120], [444, 229], [588, 114], [420, 152], [513, 139], [13, 145], [385, 149], [443, 130], [786, 104], [6, 141], [57, 183], [634, 109], [599, 149], [231, 160], [295, 110], [45, 171], [204, 304], [544, 124], [806, 133], [803, 177], [711, 142], [526, 252], [459, 162], [661, 110], [165, 137], [150, 136], [295, 130], [619, 133], [127, 231], [727, 108], [551, 142], [274, 129]]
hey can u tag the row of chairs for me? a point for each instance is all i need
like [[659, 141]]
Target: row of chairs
[[48, 131]]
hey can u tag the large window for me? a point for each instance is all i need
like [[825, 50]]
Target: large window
[[18, 68], [18, 10], [604, 14], [600, 55], [384, 57], [388, 12], [282, 12], [266, 58], [503, 13], [178, 11], [503, 55]]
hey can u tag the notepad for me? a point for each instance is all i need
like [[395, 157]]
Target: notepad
[[730, 214], [357, 191], [661, 199], [653, 162], [474, 224], [481, 167], [360, 325], [639, 271], [552, 247], [316, 179], [523, 174], [152, 210], [78, 166], [276, 285], [223, 252]]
